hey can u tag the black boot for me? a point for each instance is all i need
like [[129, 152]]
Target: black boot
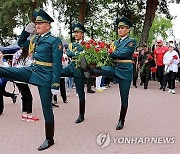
[[81, 112], [120, 124], [49, 141], [96, 72]]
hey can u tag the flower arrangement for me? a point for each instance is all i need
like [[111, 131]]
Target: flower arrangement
[[175, 57], [96, 54]]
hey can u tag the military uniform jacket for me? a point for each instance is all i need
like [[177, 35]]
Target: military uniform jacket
[[123, 50], [47, 50], [74, 49]]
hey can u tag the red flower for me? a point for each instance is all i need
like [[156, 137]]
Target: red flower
[[153, 69], [101, 45], [110, 50], [91, 41], [108, 46], [149, 56], [83, 42], [88, 46], [97, 49], [175, 57], [63, 59], [135, 55], [95, 43]]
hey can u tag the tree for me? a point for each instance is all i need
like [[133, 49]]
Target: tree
[[159, 27], [18, 14]]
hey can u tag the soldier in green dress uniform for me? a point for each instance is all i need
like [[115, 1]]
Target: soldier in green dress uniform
[[74, 49], [45, 70], [123, 49]]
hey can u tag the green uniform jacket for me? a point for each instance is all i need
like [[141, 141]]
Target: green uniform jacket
[[48, 49], [73, 51], [124, 51]]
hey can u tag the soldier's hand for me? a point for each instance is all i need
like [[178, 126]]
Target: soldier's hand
[[54, 92], [30, 27]]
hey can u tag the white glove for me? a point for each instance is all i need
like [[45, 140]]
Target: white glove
[[30, 27], [54, 92]]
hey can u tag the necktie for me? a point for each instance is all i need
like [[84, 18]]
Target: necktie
[[120, 40], [38, 37]]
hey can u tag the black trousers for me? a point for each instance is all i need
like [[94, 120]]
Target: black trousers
[[62, 90], [170, 78], [26, 97], [3, 93], [145, 75], [160, 73], [135, 75]]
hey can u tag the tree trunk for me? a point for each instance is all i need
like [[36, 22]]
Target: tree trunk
[[82, 11], [71, 31], [32, 7], [151, 8]]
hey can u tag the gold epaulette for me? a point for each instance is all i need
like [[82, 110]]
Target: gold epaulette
[[70, 46], [113, 46], [31, 45]]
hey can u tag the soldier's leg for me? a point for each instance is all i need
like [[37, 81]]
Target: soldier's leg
[[108, 71], [124, 87], [17, 74], [66, 72], [46, 96], [79, 82]]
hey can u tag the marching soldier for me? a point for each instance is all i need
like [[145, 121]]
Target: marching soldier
[[123, 49], [73, 51], [45, 70]]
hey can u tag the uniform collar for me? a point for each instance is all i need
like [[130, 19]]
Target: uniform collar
[[122, 38], [44, 34], [79, 41]]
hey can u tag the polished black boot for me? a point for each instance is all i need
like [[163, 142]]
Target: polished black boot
[[81, 112], [120, 124], [96, 71], [49, 141]]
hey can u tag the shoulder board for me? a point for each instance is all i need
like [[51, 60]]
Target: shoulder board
[[31, 45], [113, 46], [70, 46]]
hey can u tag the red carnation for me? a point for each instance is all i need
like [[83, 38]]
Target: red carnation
[[95, 43], [135, 55], [83, 42], [110, 50], [108, 46], [102, 45], [153, 69], [91, 41], [63, 59], [175, 57], [97, 49], [88, 46], [149, 56]]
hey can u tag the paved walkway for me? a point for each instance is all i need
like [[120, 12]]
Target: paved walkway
[[152, 125]]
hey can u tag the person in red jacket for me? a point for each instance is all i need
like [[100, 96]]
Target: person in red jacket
[[158, 57]]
